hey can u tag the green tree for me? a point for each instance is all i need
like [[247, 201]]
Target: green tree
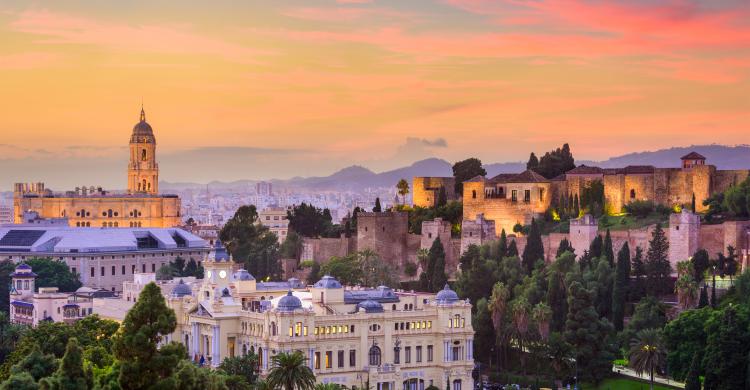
[[252, 244], [693, 381], [534, 250], [465, 170], [703, 300], [608, 249], [564, 247], [435, 277], [346, 269], [639, 274], [377, 208], [37, 364], [647, 353], [557, 291], [403, 189], [658, 268], [53, 273], [737, 199], [142, 363], [315, 273], [6, 268], [726, 351], [498, 307], [512, 249], [502, 246], [70, 374], [243, 366], [555, 162], [533, 162], [560, 353], [10, 333], [442, 198], [310, 221], [289, 372], [589, 335], [291, 248], [22, 381], [484, 332], [701, 263], [188, 376], [576, 207], [621, 286], [596, 248]]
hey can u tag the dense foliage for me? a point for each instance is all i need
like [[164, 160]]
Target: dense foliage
[[553, 163], [465, 170], [53, 273], [252, 244], [360, 268]]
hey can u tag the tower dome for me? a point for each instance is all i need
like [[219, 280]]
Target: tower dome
[[142, 131], [327, 281], [243, 275], [370, 306], [446, 295], [289, 303], [181, 290]]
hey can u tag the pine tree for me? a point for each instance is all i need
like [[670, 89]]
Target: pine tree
[[692, 381], [142, 363], [621, 286], [534, 250], [70, 375], [377, 207], [658, 268], [442, 198], [725, 354], [512, 249], [502, 246], [608, 250]]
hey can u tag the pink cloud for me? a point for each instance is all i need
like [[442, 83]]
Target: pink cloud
[[66, 29], [343, 14]]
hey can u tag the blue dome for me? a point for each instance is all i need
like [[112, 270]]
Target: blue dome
[[220, 252], [243, 275], [446, 295], [23, 266], [327, 281], [370, 306], [289, 303], [181, 290]]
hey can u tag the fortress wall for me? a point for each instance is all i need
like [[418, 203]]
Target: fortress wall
[[702, 183], [723, 179], [711, 238], [643, 184], [386, 233], [425, 190], [322, 249], [505, 212], [614, 193]]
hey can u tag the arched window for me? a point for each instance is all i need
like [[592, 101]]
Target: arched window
[[473, 194], [457, 384], [143, 154], [632, 194], [144, 184], [109, 213], [374, 355], [149, 186]]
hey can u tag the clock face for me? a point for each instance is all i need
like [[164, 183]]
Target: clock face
[[209, 273], [222, 274]]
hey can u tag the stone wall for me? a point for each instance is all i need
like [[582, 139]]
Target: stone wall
[[505, 212], [322, 249], [684, 236], [476, 232], [386, 233], [425, 190]]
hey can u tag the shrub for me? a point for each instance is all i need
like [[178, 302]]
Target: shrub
[[640, 208], [410, 269]]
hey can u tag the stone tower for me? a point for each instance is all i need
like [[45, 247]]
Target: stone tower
[[684, 233], [22, 283], [143, 171], [582, 231]]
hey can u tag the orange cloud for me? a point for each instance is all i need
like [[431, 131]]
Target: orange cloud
[[28, 60]]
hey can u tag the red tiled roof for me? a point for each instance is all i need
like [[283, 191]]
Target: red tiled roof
[[585, 170], [693, 156], [528, 176], [503, 177]]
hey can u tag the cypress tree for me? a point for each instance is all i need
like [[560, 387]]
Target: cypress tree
[[692, 203], [639, 273], [608, 250], [534, 250], [703, 302], [442, 199], [596, 247], [692, 381], [576, 207], [502, 246], [564, 247], [512, 249], [701, 262], [658, 268], [713, 293], [436, 267], [621, 286], [70, 375], [377, 207], [533, 162]]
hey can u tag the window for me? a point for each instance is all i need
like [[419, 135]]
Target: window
[[153, 267], [113, 270], [132, 269], [419, 354], [352, 358], [407, 355], [341, 359], [456, 353], [143, 268], [473, 194], [374, 355], [632, 194], [73, 270], [123, 270], [429, 353], [102, 271], [527, 196], [457, 384], [541, 194], [329, 358], [396, 355], [317, 360], [514, 195]]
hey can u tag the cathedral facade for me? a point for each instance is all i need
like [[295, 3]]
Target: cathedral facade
[[140, 206]]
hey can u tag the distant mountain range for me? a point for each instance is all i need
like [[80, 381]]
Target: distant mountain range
[[356, 178]]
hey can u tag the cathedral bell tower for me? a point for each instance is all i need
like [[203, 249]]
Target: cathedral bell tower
[[143, 171]]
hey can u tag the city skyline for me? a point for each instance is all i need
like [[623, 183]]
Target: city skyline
[[308, 88]]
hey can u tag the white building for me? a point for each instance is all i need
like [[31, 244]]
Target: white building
[[275, 219]]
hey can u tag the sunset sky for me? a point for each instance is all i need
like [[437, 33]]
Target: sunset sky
[[308, 87]]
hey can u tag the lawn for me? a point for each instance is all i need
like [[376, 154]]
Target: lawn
[[620, 383], [625, 222]]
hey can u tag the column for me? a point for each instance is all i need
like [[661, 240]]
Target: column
[[310, 358], [215, 345], [196, 340]]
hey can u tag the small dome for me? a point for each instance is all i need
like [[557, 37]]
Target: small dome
[[181, 290], [225, 292], [446, 295], [219, 252], [370, 306], [289, 302], [243, 275], [23, 266], [327, 281], [142, 131]]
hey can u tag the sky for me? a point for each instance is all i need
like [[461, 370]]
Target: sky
[[300, 88]]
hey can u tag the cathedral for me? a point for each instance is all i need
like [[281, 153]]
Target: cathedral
[[140, 206]]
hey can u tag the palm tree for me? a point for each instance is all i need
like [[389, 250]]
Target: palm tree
[[498, 305], [685, 286], [541, 314], [520, 311], [403, 189], [647, 353], [289, 372]]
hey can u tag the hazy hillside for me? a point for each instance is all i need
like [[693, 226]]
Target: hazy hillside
[[357, 177]]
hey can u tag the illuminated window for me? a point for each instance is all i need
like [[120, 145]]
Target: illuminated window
[[298, 329], [304, 331], [317, 360], [290, 332], [315, 330], [329, 358]]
